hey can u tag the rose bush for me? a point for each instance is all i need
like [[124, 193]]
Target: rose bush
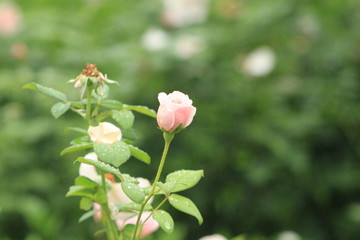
[[175, 109]]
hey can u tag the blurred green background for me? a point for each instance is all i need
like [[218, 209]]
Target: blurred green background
[[276, 85]]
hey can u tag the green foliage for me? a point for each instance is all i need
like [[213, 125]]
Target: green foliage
[[166, 187], [88, 214], [165, 220], [47, 91], [185, 205], [111, 104], [77, 147], [101, 165], [139, 154], [141, 109], [85, 182], [184, 179], [129, 207], [114, 154], [128, 231], [81, 191], [59, 109], [86, 203], [124, 118], [133, 191]]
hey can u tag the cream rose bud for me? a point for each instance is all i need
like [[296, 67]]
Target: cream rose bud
[[175, 109], [105, 132]]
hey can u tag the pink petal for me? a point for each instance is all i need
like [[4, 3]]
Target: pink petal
[[165, 118]]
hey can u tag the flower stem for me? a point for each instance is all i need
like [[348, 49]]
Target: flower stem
[[111, 230], [168, 137], [88, 104], [157, 208]]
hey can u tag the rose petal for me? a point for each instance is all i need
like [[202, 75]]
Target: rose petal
[[165, 118]]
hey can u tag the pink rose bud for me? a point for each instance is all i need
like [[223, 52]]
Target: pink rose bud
[[106, 133], [175, 109]]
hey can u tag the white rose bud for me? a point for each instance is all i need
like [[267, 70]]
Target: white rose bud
[[105, 133]]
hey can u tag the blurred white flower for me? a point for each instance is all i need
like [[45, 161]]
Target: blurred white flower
[[89, 171], [179, 13], [213, 237], [288, 235], [155, 39], [260, 62], [187, 46], [10, 18]]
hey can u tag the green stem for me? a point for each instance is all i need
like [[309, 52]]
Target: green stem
[[88, 105], [157, 208], [168, 137], [111, 230]]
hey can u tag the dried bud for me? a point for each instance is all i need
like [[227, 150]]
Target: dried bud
[[91, 73]]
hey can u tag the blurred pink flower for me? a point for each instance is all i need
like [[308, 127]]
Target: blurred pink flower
[[175, 109], [10, 18]]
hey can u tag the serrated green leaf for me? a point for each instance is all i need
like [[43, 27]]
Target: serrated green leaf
[[59, 109], [86, 203], [111, 104], [130, 207], [133, 191], [141, 109], [80, 191], [47, 91], [88, 215], [139, 154], [85, 182], [165, 220], [184, 179], [124, 118], [114, 154], [76, 147], [101, 165], [185, 205]]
